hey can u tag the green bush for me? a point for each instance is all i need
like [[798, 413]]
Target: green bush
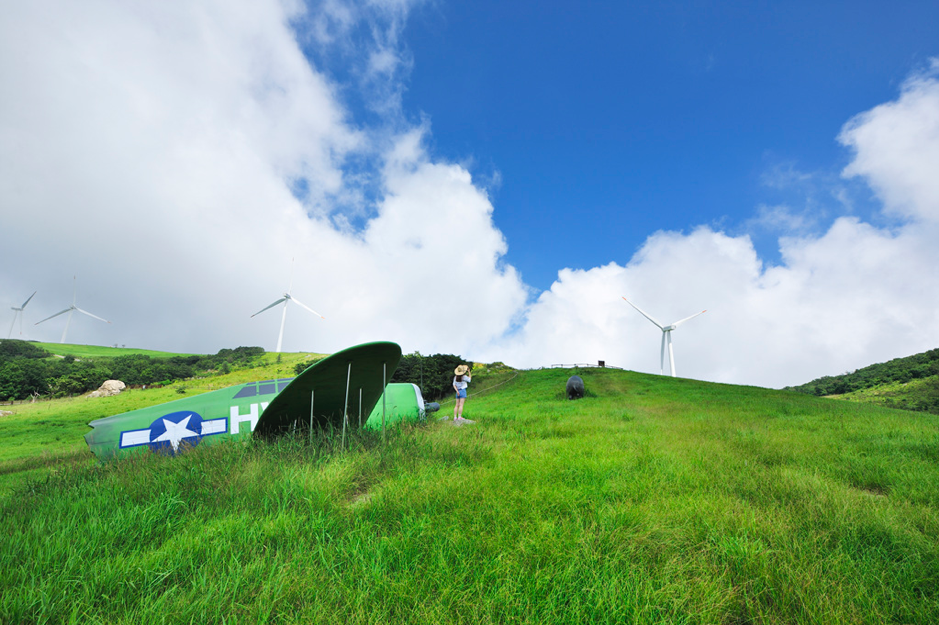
[[433, 374], [12, 348], [901, 370], [26, 369]]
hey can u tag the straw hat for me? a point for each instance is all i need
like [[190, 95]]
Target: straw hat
[[461, 370]]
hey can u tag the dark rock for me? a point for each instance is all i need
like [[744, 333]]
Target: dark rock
[[575, 387]]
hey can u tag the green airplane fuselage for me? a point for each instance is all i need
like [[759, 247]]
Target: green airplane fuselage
[[211, 416], [329, 392]]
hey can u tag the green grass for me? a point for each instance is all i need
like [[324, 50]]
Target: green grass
[[39, 435], [651, 500], [921, 394], [99, 351]]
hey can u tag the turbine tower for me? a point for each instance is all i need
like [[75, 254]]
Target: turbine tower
[[19, 311], [286, 299], [666, 336], [71, 309]]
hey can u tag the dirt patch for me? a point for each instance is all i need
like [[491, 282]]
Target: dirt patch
[[360, 499], [874, 490]]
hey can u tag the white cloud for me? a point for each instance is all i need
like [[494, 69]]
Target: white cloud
[[151, 150], [782, 218], [896, 148], [850, 297]]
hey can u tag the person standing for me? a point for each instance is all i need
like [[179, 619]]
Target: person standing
[[461, 380]]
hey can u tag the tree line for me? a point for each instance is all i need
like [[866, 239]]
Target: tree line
[[432, 374], [898, 370], [28, 370]]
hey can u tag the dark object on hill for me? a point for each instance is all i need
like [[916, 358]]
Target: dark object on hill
[[432, 406], [575, 387]]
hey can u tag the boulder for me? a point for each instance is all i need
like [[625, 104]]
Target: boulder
[[109, 388]]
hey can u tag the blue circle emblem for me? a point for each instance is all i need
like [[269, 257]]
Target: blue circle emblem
[[173, 432]]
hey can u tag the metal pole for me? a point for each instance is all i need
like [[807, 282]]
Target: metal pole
[[312, 393], [345, 407], [384, 384], [360, 407]]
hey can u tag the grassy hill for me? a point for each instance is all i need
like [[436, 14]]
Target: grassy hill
[[920, 395], [909, 383], [651, 500], [99, 351], [41, 435]]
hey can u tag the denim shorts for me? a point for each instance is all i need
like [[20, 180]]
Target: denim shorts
[[461, 394]]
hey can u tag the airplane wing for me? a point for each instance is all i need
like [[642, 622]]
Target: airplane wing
[[331, 387]]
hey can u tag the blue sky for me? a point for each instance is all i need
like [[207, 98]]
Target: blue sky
[[485, 179], [607, 121]]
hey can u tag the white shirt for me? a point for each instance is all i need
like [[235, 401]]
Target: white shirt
[[461, 385]]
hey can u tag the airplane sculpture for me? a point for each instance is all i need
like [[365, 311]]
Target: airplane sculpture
[[330, 392]]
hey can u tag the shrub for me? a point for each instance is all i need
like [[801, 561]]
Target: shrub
[[433, 374]]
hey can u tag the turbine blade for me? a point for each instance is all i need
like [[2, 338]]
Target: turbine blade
[[678, 323], [643, 313], [269, 307], [62, 312], [90, 315], [27, 300], [307, 307]]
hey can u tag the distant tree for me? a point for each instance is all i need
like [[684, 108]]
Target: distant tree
[[11, 381], [26, 369], [12, 348], [33, 379], [901, 370], [433, 374]]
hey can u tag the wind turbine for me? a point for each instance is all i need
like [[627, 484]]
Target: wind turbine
[[70, 310], [286, 299], [19, 311], [666, 336]]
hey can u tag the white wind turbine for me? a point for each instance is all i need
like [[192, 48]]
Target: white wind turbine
[[286, 299], [70, 310], [666, 336], [19, 311]]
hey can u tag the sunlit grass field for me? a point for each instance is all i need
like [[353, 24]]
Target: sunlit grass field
[[652, 500], [919, 394], [47, 433], [100, 351]]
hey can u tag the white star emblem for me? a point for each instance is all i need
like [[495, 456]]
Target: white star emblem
[[175, 432]]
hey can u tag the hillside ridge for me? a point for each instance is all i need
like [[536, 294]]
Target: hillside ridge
[[909, 383]]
